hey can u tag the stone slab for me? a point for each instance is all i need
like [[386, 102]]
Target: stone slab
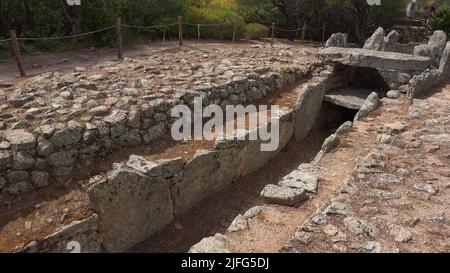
[[381, 60]]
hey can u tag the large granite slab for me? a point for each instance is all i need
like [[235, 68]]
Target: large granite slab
[[379, 60], [348, 97]]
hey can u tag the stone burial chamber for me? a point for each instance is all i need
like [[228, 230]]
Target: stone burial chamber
[[384, 66], [144, 189]]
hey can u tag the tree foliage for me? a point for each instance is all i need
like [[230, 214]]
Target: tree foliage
[[50, 18]]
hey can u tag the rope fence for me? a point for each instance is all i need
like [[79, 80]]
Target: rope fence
[[119, 37], [65, 37]]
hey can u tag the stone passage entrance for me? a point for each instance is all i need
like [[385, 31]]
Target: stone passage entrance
[[361, 72], [362, 82]]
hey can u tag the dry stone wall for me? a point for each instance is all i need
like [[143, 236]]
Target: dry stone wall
[[55, 124]]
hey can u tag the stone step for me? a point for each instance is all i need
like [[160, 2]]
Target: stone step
[[348, 97]]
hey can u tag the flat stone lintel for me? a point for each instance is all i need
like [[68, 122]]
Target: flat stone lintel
[[348, 97], [379, 60]]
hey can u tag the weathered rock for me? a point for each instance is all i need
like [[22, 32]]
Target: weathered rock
[[423, 82], [441, 139], [374, 59], [330, 143], [252, 212], [2, 183], [206, 173], [39, 179], [400, 234], [216, 244], [44, 147], [99, 111], [144, 166], [344, 128], [369, 105], [17, 176], [427, 188], [308, 108], [64, 158], [444, 66], [22, 161], [284, 196], [134, 118], [5, 159], [46, 130], [393, 94], [20, 139], [330, 230], [5, 145], [302, 238], [172, 167], [337, 40], [306, 177], [384, 195], [67, 137], [338, 208], [391, 40], [131, 207], [84, 232], [359, 226], [238, 224], [130, 138], [117, 117], [435, 47], [376, 41], [19, 188]]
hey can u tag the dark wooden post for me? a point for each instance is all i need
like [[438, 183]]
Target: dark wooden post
[[324, 33], [273, 34], [180, 30], [16, 50], [119, 38], [235, 28], [303, 32], [164, 35]]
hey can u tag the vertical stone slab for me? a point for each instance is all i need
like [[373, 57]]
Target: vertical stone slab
[[308, 108], [207, 173], [444, 67], [253, 159], [376, 41], [131, 207]]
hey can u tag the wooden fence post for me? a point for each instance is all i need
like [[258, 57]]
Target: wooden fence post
[[119, 38], [164, 35], [303, 32], [16, 50], [234, 29], [273, 34], [180, 30], [198, 32], [324, 33]]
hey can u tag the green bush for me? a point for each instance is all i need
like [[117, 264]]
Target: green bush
[[441, 19], [255, 31], [213, 16]]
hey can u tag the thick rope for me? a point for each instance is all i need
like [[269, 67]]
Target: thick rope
[[64, 37]]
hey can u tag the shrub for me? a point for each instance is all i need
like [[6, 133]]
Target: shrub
[[213, 16], [441, 19], [255, 31]]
